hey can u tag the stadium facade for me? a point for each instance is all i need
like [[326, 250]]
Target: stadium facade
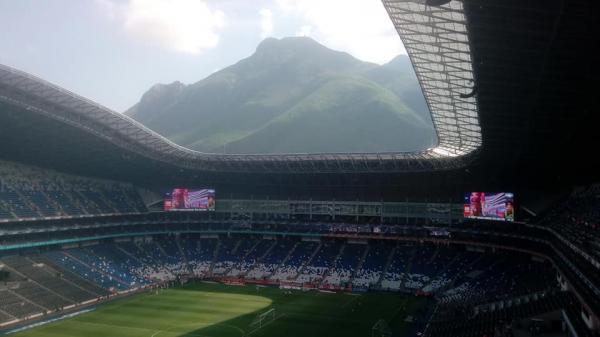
[[508, 84]]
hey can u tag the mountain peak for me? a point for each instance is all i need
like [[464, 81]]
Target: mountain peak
[[291, 95], [155, 98], [400, 62], [160, 90], [161, 87], [295, 42], [300, 52], [296, 47]]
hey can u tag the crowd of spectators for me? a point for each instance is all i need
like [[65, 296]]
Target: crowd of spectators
[[458, 278], [31, 192], [453, 275]]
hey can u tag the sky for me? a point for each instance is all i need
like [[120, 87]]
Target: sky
[[112, 51]]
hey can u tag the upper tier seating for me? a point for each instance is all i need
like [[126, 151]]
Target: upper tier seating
[[578, 219], [31, 192]]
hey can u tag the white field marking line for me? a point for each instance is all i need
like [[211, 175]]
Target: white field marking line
[[269, 322], [323, 317], [115, 326], [119, 302], [55, 320], [203, 324]]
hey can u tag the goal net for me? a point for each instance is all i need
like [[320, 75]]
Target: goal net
[[263, 318]]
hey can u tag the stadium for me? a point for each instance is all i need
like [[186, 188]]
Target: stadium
[[109, 229]]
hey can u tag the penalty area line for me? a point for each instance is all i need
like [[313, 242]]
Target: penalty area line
[[269, 322], [191, 333]]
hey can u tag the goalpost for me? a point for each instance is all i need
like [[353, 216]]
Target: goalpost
[[263, 318]]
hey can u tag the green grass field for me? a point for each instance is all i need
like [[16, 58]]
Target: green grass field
[[214, 310]]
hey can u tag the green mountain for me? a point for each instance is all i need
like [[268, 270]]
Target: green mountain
[[294, 95]]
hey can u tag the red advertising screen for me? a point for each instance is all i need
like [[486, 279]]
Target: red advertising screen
[[491, 206], [183, 199]]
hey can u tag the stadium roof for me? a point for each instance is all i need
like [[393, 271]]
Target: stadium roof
[[436, 39], [35, 95], [508, 83], [440, 54]]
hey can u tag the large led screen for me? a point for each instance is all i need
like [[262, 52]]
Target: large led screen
[[183, 199], [492, 206]]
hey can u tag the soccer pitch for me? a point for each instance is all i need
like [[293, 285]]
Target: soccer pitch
[[214, 310]]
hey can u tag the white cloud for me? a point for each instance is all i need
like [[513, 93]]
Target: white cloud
[[266, 23], [359, 27], [188, 26], [108, 8], [304, 31]]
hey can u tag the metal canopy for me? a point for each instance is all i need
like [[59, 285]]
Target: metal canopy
[[436, 39]]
